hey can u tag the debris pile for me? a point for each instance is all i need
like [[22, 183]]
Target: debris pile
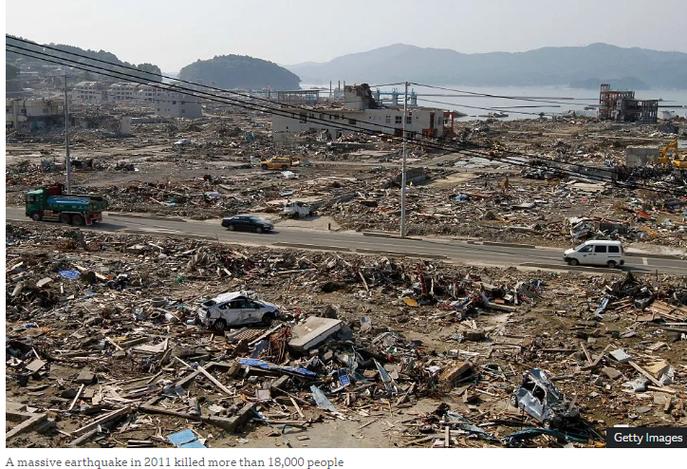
[[104, 347]]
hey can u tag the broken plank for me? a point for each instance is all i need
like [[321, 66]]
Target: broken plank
[[76, 398], [115, 414], [215, 382], [645, 373], [26, 425]]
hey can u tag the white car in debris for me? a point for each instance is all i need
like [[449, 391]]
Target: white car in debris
[[236, 309]]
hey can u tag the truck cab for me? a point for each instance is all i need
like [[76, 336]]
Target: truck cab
[[49, 203]]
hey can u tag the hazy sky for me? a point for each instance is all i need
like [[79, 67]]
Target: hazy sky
[[173, 33]]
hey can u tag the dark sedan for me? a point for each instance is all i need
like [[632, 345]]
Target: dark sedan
[[247, 223]]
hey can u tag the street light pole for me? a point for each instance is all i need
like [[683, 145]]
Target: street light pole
[[403, 164], [68, 161]]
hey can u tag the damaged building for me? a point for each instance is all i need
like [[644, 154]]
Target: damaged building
[[622, 106], [33, 114], [164, 102], [361, 109]]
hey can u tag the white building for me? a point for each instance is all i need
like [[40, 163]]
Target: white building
[[174, 104], [88, 92], [125, 93], [361, 110], [164, 101]]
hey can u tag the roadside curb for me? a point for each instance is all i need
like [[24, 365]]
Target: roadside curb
[[507, 245], [571, 268], [658, 256], [382, 234], [310, 246], [148, 217]]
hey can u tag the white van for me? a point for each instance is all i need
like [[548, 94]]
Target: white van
[[596, 252]]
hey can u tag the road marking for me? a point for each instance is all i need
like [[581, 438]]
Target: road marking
[[645, 261]]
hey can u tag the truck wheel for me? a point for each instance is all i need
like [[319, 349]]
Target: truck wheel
[[78, 220], [219, 326], [264, 166], [36, 216], [612, 264], [284, 167], [574, 262], [66, 218]]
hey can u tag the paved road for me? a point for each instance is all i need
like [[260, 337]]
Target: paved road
[[465, 252]]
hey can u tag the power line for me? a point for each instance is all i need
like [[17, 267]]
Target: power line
[[487, 95], [243, 104], [485, 108], [281, 112], [224, 100], [348, 127], [196, 84]]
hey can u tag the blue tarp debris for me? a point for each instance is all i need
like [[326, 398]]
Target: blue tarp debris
[[255, 363], [70, 274], [185, 439]]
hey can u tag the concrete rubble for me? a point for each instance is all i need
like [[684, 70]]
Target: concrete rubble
[[398, 352]]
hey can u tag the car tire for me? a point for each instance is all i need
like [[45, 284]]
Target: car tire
[[220, 326], [573, 262], [36, 216], [259, 229], [66, 218], [612, 264], [231, 227], [267, 319], [264, 166], [284, 167], [78, 220]]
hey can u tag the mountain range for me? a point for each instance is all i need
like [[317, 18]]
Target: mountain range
[[569, 66]]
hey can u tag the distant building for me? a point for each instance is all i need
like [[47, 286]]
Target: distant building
[[621, 106], [362, 110], [33, 114], [164, 101], [126, 93], [168, 103], [88, 92]]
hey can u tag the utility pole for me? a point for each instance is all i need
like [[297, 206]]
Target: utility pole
[[403, 164], [68, 161]]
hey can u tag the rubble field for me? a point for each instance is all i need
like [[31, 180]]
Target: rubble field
[[104, 348], [355, 180]]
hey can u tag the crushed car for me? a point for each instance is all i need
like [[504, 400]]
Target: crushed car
[[236, 309], [540, 399]]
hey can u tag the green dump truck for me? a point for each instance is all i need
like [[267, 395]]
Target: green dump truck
[[51, 204]]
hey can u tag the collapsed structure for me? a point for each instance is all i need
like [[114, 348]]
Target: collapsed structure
[[621, 106], [362, 110]]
